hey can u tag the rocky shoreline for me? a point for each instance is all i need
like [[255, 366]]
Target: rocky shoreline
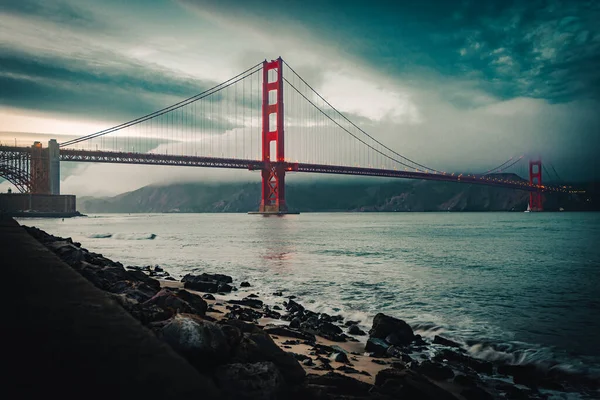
[[252, 350]]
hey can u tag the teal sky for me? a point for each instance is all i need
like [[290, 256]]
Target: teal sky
[[455, 85]]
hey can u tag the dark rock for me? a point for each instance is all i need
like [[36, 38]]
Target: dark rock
[[202, 343], [308, 362], [223, 288], [158, 269], [454, 358], [377, 346], [295, 323], [256, 381], [466, 380], [258, 346], [435, 371], [387, 374], [396, 352], [169, 278], [277, 294], [180, 301], [299, 356], [324, 329], [208, 278], [252, 296], [394, 340], [384, 325], [446, 342], [270, 313], [138, 291], [476, 393], [245, 284], [398, 365], [292, 306], [201, 286], [276, 307], [244, 327], [139, 276], [340, 357], [350, 323], [284, 331], [254, 303], [347, 369], [208, 296], [244, 314], [407, 384], [335, 384], [355, 330], [528, 375]]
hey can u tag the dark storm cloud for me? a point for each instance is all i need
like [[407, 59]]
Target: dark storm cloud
[[119, 88], [51, 10], [540, 49]]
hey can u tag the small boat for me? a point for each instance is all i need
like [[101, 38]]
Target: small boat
[[528, 208]]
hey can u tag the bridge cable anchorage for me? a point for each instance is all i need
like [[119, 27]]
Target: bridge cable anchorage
[[170, 108], [346, 130], [359, 128]]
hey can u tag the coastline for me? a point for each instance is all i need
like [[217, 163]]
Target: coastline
[[388, 365]]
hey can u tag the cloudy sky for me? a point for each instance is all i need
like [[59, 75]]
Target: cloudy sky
[[461, 86]]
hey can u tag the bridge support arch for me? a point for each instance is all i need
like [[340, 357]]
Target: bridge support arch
[[536, 201]]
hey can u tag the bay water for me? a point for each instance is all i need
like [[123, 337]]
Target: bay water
[[524, 287]]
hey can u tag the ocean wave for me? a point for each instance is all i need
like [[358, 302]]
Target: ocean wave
[[124, 236], [135, 236]]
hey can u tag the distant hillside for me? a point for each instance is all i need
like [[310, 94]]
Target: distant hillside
[[371, 195]]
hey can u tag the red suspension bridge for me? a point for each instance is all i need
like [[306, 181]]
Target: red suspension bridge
[[241, 124]]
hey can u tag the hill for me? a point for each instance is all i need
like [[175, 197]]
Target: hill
[[320, 196]]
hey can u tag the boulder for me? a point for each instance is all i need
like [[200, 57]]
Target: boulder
[[202, 343], [138, 291], [250, 302], [180, 301], [377, 346], [201, 286], [336, 384], [445, 342], [458, 359], [245, 284], [292, 306], [355, 330], [435, 371], [137, 275], [340, 357], [283, 331], [406, 384], [476, 393], [255, 381], [208, 278], [258, 346], [384, 325]]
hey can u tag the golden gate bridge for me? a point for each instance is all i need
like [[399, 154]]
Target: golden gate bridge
[[242, 124]]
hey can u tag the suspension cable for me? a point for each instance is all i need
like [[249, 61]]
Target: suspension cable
[[165, 110]]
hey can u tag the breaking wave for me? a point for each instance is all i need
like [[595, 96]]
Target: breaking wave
[[124, 236]]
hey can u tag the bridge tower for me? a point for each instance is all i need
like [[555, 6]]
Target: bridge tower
[[535, 178], [39, 170], [54, 166], [273, 172]]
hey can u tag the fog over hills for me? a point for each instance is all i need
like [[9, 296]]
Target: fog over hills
[[366, 195]]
